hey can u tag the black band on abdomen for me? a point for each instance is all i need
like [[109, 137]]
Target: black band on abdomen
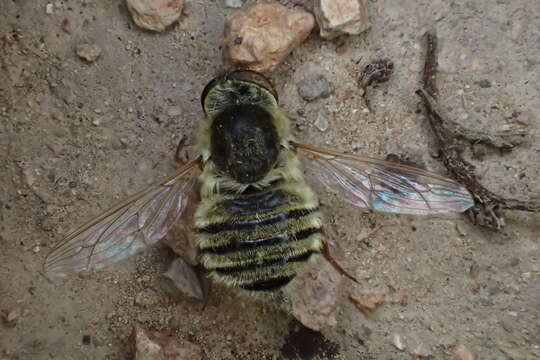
[[268, 285], [255, 243], [281, 261], [253, 223]]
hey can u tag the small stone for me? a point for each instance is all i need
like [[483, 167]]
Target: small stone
[[66, 26], [485, 83], [86, 340], [174, 111], [262, 36], [181, 281], [31, 175], [398, 342], [12, 317], [420, 350], [88, 52], [315, 87], [460, 230], [161, 346], [155, 15], [49, 9], [321, 122], [233, 4], [367, 303], [463, 353], [337, 17], [314, 295]]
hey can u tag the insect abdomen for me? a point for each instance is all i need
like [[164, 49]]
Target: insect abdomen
[[259, 241]]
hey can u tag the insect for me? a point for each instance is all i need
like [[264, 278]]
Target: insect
[[258, 222]]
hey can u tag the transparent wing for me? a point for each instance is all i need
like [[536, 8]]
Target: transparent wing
[[385, 186], [138, 222]]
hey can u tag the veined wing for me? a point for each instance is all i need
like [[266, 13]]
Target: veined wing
[[385, 186], [131, 226]]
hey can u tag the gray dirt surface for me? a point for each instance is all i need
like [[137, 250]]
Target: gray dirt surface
[[76, 137]]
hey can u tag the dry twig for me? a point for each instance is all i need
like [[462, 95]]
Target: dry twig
[[486, 211]]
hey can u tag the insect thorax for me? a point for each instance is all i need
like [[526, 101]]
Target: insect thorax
[[244, 142]]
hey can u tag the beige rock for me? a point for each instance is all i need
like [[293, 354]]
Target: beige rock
[[13, 317], [315, 295], [337, 17], [398, 342], [463, 353], [260, 37], [367, 303], [161, 346], [181, 281], [155, 15], [88, 52]]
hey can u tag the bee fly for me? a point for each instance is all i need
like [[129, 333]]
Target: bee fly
[[258, 222]]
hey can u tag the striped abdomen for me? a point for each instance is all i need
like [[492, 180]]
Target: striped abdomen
[[259, 240]]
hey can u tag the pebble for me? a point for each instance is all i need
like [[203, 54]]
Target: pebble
[[12, 318], [337, 17], [88, 52], [420, 350], [66, 26], [485, 83], [314, 295], [161, 346], [181, 281], [260, 37], [463, 353], [174, 111], [155, 15], [321, 122], [49, 9], [460, 230], [233, 4], [367, 303], [398, 342], [315, 87]]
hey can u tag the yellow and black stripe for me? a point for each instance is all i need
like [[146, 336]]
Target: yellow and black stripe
[[259, 239]]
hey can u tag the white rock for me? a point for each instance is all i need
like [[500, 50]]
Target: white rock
[[337, 17], [49, 9], [155, 15], [181, 281], [321, 122], [262, 36], [88, 52], [233, 3], [398, 342]]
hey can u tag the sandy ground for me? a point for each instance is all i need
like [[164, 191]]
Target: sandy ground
[[77, 137]]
